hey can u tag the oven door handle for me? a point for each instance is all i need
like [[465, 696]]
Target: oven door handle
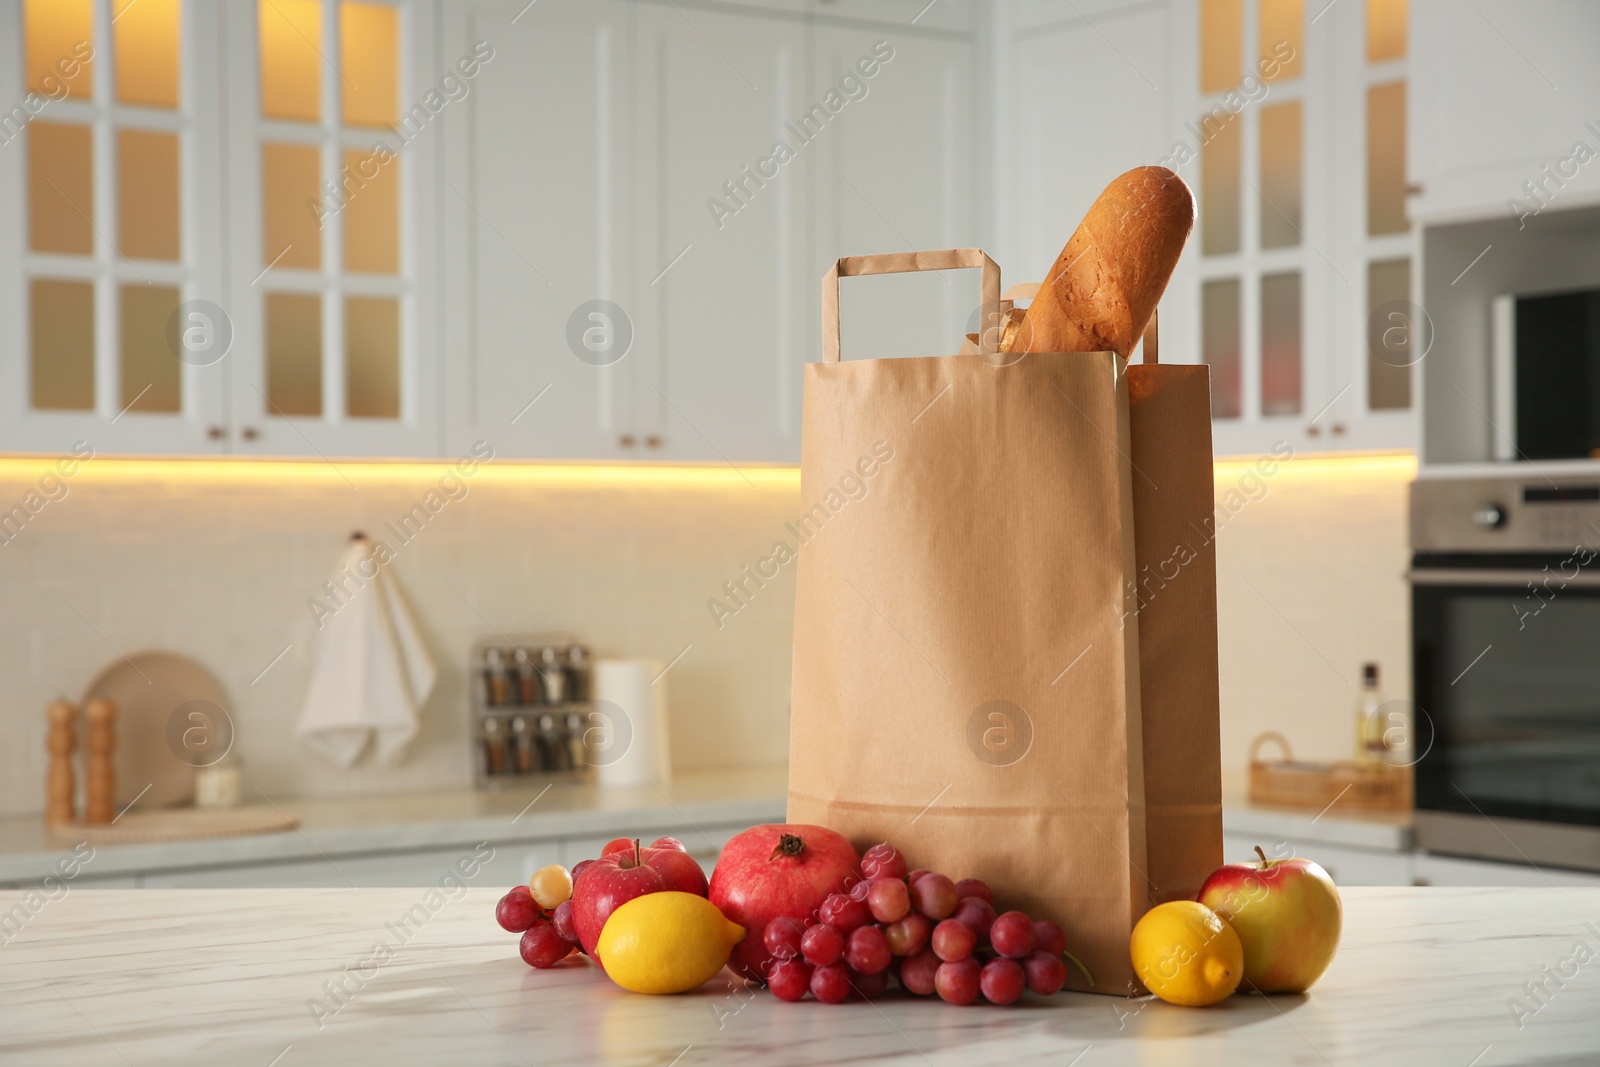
[[1486, 578]]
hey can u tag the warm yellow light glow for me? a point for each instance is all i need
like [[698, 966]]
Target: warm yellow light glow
[[577, 475], [320, 472], [369, 47], [145, 37], [1397, 465], [291, 60], [59, 39]]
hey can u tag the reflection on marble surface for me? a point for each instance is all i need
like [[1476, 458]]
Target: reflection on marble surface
[[288, 977]]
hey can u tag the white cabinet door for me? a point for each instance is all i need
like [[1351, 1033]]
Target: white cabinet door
[[536, 203], [896, 171], [332, 233], [1486, 113], [100, 254], [723, 195]]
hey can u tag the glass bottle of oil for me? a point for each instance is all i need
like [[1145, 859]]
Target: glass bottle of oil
[[1372, 747]]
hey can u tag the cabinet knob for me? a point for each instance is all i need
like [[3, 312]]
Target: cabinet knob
[[1313, 430], [626, 440], [250, 433], [1338, 429], [652, 441], [214, 433]]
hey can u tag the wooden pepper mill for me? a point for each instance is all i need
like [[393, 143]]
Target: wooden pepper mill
[[100, 778], [59, 783]]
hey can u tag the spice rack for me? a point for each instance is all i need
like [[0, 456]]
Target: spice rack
[[530, 699]]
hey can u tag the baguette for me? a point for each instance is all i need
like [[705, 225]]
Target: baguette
[[1105, 285]]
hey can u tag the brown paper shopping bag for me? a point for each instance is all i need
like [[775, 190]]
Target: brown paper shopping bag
[[968, 624]]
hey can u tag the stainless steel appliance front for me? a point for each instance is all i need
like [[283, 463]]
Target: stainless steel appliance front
[[1505, 583]]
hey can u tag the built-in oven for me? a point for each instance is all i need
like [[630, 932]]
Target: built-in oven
[[1505, 588]]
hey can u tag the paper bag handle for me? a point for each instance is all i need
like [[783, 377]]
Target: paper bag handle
[[903, 263]]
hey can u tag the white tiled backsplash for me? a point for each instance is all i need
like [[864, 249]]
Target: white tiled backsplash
[[219, 563], [220, 566]]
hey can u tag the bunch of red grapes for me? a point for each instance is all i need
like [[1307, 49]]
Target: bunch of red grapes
[[933, 934], [548, 934]]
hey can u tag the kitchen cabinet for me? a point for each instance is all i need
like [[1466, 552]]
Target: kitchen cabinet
[[721, 270], [896, 171], [1273, 115], [537, 203], [659, 187], [1500, 102], [143, 252]]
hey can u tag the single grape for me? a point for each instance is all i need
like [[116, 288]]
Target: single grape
[[870, 986], [543, 947], [550, 885], [867, 951], [831, 983], [668, 842], [978, 914], [909, 936], [917, 973], [1012, 935], [617, 844], [911, 879], [565, 921], [883, 861], [859, 890], [577, 869], [1001, 981], [975, 887], [888, 900], [953, 940], [516, 912], [822, 945], [520, 891], [1047, 937], [843, 913], [790, 979], [956, 982], [782, 937], [935, 896], [1046, 973]]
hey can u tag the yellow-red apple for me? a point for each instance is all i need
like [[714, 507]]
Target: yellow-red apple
[[1287, 915]]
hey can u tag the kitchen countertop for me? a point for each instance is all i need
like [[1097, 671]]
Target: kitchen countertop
[[1424, 976], [343, 826], [1383, 831], [333, 826]]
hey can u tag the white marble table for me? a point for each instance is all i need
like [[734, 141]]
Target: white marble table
[[231, 976]]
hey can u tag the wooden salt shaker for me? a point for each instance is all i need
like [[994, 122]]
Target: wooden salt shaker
[[59, 784], [100, 779]]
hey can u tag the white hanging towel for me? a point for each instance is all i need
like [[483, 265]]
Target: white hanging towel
[[371, 673]]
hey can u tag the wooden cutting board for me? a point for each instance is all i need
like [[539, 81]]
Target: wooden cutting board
[[181, 824]]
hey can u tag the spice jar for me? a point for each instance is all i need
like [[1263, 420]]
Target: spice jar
[[527, 678], [555, 680], [495, 677]]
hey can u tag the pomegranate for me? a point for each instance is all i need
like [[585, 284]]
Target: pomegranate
[[778, 869]]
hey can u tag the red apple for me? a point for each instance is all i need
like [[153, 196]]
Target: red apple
[[1287, 915], [778, 869], [668, 842], [616, 878]]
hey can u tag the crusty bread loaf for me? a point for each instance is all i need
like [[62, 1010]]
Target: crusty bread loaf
[[1104, 286]]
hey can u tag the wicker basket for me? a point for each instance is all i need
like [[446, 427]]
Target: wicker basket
[[1288, 783]]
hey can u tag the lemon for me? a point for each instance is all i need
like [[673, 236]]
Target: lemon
[[1185, 953], [666, 942]]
